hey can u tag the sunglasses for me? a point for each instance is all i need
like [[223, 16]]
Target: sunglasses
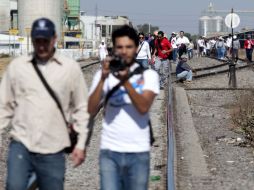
[[141, 37]]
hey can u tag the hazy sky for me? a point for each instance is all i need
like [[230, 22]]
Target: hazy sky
[[169, 15]]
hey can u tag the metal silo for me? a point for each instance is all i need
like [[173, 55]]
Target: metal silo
[[4, 15], [204, 25], [30, 10], [218, 23]]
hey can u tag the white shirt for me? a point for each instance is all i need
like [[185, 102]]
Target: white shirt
[[201, 43], [124, 128], [103, 49], [173, 43], [183, 40], [229, 42], [144, 52]]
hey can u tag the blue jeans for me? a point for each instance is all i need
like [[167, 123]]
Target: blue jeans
[[185, 75], [220, 53], [124, 171], [49, 168], [190, 53], [162, 68], [249, 54], [143, 62], [175, 54]]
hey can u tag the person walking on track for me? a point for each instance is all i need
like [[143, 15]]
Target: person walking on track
[[127, 96], [39, 133], [143, 53], [163, 49], [182, 44], [248, 46], [103, 52]]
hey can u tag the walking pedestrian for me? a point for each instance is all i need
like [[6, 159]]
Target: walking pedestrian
[[236, 47], [103, 52], [220, 47], [229, 44], [152, 48], [248, 46], [174, 46], [128, 94], [163, 49], [201, 46], [143, 53], [182, 43], [39, 132], [190, 49]]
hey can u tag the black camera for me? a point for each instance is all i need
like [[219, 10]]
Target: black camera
[[117, 64]]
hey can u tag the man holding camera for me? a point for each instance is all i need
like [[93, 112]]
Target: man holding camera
[[128, 93], [39, 133]]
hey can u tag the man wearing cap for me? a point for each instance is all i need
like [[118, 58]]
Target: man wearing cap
[[39, 132]]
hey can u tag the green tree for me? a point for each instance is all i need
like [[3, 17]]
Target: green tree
[[145, 28]]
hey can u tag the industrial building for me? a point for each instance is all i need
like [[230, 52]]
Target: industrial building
[[75, 30], [212, 23]]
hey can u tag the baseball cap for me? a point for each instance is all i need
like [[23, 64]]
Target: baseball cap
[[43, 28]]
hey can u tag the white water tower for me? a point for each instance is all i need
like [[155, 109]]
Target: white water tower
[[4, 16], [30, 10]]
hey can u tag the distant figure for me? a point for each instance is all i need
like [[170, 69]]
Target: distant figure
[[183, 70], [208, 47], [220, 47], [229, 44], [174, 46], [103, 52], [143, 53], [182, 42], [201, 46], [236, 47], [190, 49], [248, 46]]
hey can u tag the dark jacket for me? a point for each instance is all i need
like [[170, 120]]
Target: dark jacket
[[182, 66]]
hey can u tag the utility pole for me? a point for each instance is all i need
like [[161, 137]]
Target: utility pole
[[232, 71], [95, 26]]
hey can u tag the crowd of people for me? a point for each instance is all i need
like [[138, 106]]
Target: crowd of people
[[158, 52], [222, 47]]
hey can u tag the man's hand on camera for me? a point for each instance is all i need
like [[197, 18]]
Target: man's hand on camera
[[123, 75], [105, 68]]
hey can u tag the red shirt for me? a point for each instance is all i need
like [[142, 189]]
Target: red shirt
[[165, 45], [248, 44]]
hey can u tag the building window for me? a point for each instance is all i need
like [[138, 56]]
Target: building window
[[103, 30]]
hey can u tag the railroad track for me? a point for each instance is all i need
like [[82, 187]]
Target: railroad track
[[83, 67], [171, 141], [217, 69]]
